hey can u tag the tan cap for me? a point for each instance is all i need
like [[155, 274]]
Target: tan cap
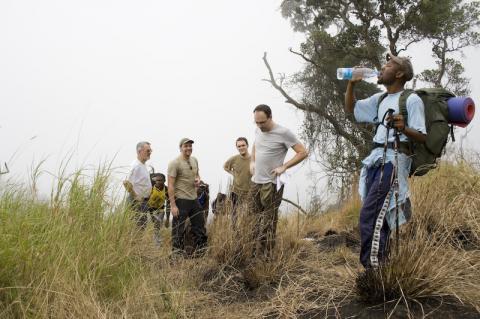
[[185, 140], [405, 64]]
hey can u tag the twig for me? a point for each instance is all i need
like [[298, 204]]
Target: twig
[[296, 205], [6, 171], [303, 56]]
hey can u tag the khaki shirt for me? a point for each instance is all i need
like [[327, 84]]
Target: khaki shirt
[[184, 173], [239, 167]]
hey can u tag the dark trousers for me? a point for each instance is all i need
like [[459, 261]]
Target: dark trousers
[[237, 199], [264, 201], [141, 210], [376, 192], [157, 215], [188, 209]]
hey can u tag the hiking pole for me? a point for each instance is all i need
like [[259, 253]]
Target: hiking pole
[[386, 203], [389, 112], [396, 189]]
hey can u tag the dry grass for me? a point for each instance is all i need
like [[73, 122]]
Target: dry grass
[[439, 253], [65, 259]]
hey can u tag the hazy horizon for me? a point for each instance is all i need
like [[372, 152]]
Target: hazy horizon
[[93, 78]]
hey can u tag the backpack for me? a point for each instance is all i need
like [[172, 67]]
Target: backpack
[[424, 155]]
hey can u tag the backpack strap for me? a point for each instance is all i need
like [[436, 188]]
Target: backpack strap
[[402, 109], [380, 99], [402, 104]]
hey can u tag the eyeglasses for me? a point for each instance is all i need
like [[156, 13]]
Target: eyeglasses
[[189, 165]]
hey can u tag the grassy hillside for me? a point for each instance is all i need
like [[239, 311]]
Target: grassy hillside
[[78, 257]]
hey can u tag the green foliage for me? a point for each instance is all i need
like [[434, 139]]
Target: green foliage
[[359, 32], [58, 247]]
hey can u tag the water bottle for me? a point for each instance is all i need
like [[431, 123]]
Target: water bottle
[[349, 73]]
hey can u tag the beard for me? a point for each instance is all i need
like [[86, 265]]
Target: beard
[[384, 81]]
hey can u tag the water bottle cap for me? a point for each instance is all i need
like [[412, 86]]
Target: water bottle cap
[[347, 73]]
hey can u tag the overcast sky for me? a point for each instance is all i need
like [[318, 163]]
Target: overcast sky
[[94, 77]]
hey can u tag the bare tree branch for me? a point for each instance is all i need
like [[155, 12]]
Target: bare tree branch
[[295, 205], [6, 171], [310, 108], [304, 57]]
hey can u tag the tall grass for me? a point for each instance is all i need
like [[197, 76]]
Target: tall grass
[[78, 255], [439, 251], [74, 256]]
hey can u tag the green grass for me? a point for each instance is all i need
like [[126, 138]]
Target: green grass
[[74, 246]]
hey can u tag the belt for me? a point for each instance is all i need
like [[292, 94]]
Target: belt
[[404, 147]]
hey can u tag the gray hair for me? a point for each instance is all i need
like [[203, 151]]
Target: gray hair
[[140, 145]]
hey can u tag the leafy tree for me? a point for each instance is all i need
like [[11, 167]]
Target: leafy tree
[[360, 32]]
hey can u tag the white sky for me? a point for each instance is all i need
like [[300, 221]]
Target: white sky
[[95, 77]]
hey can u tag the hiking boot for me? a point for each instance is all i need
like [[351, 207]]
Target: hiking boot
[[177, 255]]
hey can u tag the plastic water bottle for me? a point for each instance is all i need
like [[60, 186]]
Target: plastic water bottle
[[349, 73]]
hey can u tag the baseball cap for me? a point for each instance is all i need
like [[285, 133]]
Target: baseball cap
[[185, 140], [405, 64]]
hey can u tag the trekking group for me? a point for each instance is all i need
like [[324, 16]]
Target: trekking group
[[398, 142], [186, 196]]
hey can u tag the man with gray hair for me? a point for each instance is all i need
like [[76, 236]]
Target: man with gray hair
[[139, 185]]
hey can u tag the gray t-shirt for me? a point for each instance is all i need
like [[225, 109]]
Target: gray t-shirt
[[270, 151]]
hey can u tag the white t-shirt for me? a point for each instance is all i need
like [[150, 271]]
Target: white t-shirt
[[225, 183], [140, 179]]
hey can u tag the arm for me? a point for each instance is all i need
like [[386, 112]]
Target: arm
[[129, 188], [301, 154], [167, 210], [415, 129], [171, 196], [350, 99], [197, 176], [252, 161], [129, 185], [228, 166], [399, 124]]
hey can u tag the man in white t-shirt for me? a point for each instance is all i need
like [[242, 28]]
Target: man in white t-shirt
[[139, 184], [272, 142]]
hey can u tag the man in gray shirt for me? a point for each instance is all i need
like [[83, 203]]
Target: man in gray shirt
[[272, 142]]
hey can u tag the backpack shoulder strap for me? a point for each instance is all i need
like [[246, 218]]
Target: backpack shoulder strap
[[380, 99], [402, 104], [376, 119]]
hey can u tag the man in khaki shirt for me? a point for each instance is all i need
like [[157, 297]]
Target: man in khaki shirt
[[239, 167], [183, 178]]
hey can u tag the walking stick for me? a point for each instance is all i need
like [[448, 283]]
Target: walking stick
[[383, 211], [396, 190]]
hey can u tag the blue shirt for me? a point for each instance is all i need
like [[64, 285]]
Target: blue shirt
[[366, 111]]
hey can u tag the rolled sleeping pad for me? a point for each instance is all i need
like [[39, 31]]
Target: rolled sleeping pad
[[460, 110]]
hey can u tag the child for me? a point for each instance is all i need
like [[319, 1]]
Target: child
[[158, 204]]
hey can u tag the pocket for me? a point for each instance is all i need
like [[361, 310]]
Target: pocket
[[266, 194]]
